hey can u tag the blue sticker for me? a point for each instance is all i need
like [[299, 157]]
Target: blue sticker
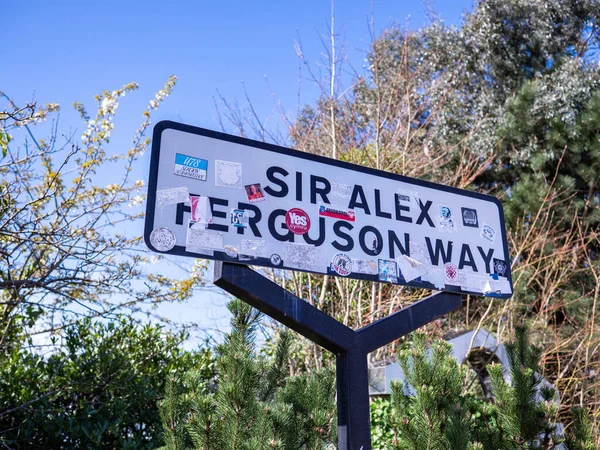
[[388, 271], [188, 166], [239, 218]]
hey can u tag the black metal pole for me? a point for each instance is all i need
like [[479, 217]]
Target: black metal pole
[[350, 347], [283, 306], [354, 417]]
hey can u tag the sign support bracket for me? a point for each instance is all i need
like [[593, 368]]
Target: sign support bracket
[[350, 347]]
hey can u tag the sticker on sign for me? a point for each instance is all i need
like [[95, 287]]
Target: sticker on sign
[[188, 166], [286, 209]]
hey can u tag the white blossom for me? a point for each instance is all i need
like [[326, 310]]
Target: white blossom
[[136, 201]]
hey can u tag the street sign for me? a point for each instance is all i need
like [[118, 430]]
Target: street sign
[[217, 196]]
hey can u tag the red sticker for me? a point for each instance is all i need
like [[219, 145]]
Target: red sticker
[[297, 221], [337, 213]]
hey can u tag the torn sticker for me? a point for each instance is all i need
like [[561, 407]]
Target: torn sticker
[[496, 285], [364, 266], [387, 270], [200, 209], [461, 279], [230, 251], [162, 239], [502, 284], [410, 268], [203, 239], [255, 248], [371, 239], [197, 225], [297, 221], [446, 219], [228, 174], [419, 252], [337, 213], [474, 283], [450, 273], [190, 167], [341, 264], [403, 195], [490, 289], [487, 232], [341, 190], [239, 218], [435, 275], [469, 217], [304, 257], [254, 193], [172, 196]]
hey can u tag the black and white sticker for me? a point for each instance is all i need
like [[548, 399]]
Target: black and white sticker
[[162, 239]]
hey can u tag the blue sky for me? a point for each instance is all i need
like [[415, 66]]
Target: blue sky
[[67, 51]]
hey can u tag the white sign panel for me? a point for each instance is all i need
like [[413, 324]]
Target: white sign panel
[[217, 196]]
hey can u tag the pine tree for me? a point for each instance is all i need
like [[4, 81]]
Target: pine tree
[[521, 416], [430, 411], [435, 416], [252, 405], [581, 437]]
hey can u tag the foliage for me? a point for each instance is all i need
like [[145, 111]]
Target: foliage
[[66, 258], [429, 409], [506, 104], [524, 411], [97, 392], [381, 427], [64, 209], [581, 437], [252, 405]]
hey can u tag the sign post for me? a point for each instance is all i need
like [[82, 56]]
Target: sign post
[[350, 347], [242, 202]]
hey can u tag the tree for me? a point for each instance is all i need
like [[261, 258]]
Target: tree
[[506, 104], [525, 410], [98, 391], [64, 249], [252, 405], [66, 258], [427, 409], [581, 437], [430, 409]]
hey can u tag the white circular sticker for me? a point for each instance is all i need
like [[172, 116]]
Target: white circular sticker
[[342, 264], [162, 239], [450, 272]]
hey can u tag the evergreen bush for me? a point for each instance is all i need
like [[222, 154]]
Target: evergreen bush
[[251, 404], [430, 410]]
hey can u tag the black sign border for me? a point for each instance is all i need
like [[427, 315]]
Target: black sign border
[[179, 250]]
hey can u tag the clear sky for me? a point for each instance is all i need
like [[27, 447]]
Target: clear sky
[[66, 51]]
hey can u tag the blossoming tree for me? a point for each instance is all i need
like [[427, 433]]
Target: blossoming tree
[[64, 249]]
